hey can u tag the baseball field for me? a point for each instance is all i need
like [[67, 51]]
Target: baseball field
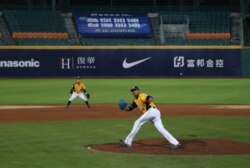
[[210, 117]]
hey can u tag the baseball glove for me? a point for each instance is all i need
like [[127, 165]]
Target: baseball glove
[[122, 104], [88, 95]]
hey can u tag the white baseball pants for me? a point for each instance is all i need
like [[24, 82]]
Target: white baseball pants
[[81, 95], [154, 115]]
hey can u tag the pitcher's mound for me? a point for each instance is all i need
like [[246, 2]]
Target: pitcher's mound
[[189, 147]]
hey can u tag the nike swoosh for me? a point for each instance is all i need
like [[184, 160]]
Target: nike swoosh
[[127, 65]]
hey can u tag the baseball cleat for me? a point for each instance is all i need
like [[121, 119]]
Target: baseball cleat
[[176, 146], [122, 142]]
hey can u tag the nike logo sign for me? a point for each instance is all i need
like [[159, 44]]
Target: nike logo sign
[[127, 65]]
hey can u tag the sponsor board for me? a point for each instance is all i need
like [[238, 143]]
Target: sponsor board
[[121, 62], [19, 63]]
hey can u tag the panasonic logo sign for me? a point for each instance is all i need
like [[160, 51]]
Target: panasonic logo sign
[[20, 64]]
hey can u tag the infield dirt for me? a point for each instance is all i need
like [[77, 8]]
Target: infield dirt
[[109, 111], [158, 146]]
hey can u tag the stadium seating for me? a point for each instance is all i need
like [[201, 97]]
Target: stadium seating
[[152, 9], [2, 41], [214, 22], [208, 36], [32, 41], [198, 42], [205, 28], [174, 19], [34, 21], [5, 42], [29, 27], [44, 35], [116, 41]]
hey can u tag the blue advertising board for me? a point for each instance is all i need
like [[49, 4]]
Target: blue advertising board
[[112, 25], [121, 62]]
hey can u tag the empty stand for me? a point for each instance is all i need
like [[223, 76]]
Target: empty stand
[[34, 21], [42, 42], [155, 26], [44, 35], [197, 42], [181, 26], [5, 35], [115, 41], [36, 27], [71, 29], [203, 28], [208, 36]]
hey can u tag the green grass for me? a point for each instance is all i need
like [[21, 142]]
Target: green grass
[[169, 91], [63, 144]]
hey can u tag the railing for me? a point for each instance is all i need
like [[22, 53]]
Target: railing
[[24, 7], [149, 9]]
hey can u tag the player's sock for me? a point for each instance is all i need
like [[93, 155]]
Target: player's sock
[[87, 103], [68, 104]]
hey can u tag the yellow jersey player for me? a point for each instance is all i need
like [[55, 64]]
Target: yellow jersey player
[[150, 113], [78, 90]]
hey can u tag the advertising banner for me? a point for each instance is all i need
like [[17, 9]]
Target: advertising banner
[[121, 62], [112, 25]]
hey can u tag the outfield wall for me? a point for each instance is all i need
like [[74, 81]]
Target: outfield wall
[[245, 62], [127, 62]]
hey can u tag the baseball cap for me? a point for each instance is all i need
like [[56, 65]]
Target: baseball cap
[[134, 88]]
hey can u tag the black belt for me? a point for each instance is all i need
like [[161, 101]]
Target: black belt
[[151, 107]]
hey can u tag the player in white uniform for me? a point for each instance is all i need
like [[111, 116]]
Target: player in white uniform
[[145, 103]]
